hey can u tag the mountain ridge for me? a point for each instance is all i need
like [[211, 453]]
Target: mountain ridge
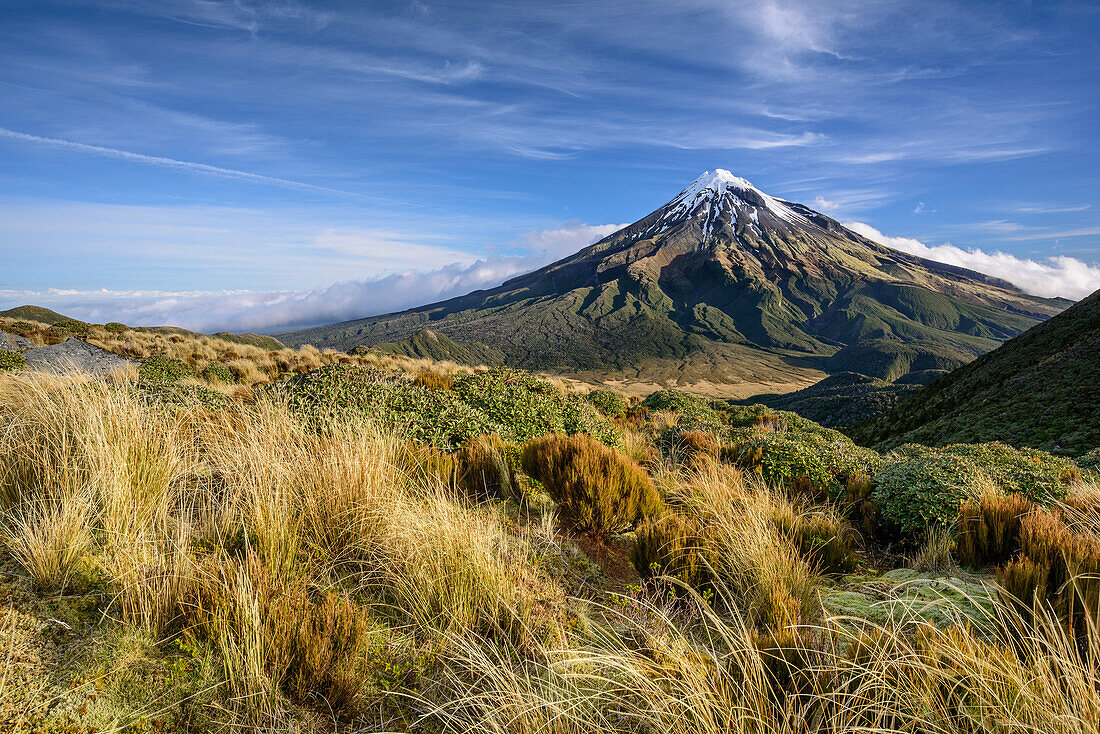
[[722, 284]]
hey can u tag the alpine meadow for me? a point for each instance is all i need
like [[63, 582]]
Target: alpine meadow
[[547, 368]]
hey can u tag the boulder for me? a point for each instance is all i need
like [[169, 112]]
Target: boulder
[[74, 355]]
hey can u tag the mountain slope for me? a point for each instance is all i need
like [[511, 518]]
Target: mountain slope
[[839, 400], [34, 313], [1039, 389], [722, 284], [427, 344]]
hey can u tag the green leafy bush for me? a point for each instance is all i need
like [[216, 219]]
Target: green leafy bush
[[160, 368], [528, 407], [114, 327], [597, 487], [608, 402], [780, 421], [342, 391], [820, 462], [11, 361], [919, 487], [70, 327], [218, 372], [687, 405], [1037, 475], [1090, 462]]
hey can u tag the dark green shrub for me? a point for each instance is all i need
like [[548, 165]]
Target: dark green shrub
[[485, 469], [160, 368], [70, 327], [1090, 462], [597, 487], [11, 361], [922, 487], [218, 372], [818, 463], [989, 529], [608, 402], [22, 327], [115, 327], [1037, 475], [686, 404], [527, 406]]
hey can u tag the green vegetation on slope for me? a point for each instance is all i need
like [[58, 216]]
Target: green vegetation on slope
[[428, 344], [839, 400], [1039, 389]]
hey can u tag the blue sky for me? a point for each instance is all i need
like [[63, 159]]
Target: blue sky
[[254, 164]]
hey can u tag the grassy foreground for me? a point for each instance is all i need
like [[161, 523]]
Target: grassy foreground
[[172, 566]]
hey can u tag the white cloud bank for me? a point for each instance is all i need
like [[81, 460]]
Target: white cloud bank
[[1056, 276], [247, 311]]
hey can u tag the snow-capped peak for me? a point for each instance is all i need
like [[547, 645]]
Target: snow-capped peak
[[721, 190]]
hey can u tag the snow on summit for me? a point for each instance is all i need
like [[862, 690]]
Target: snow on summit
[[721, 191]]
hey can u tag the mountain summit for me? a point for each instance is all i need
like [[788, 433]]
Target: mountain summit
[[726, 285]]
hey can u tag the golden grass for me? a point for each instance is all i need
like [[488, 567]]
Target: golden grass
[[298, 559]]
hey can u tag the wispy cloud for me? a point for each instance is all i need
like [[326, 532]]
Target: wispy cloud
[[1055, 276], [162, 161]]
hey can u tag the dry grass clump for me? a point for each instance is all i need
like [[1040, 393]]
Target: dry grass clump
[[1058, 565], [989, 528], [255, 533], [725, 533], [599, 488], [486, 468], [716, 675]]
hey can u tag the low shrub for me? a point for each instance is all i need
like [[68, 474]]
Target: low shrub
[[608, 402], [686, 404], [989, 528], [919, 487], [70, 327], [1036, 475], [160, 368], [819, 464], [218, 372], [114, 327], [528, 407], [597, 487], [486, 470], [11, 361], [1090, 463], [770, 419]]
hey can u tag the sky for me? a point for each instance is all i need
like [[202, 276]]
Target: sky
[[259, 165]]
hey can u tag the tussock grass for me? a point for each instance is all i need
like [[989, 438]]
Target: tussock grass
[[323, 574]]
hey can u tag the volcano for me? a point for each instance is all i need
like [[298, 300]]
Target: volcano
[[729, 290]]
